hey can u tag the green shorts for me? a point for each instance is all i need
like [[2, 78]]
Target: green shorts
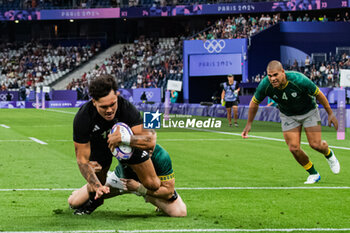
[[310, 119]]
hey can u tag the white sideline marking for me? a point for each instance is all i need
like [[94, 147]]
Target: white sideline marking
[[52, 110], [40, 189], [261, 188], [43, 126], [165, 140], [261, 137], [38, 141], [196, 230], [5, 126], [197, 139], [195, 188], [15, 140], [228, 133], [62, 231], [24, 140], [239, 230], [189, 139]]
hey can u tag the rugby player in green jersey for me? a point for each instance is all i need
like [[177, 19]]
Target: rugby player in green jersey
[[296, 97], [124, 180]]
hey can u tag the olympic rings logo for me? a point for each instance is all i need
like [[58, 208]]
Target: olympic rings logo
[[214, 45], [149, 95], [3, 97]]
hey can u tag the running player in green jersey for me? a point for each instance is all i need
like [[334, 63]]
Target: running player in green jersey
[[296, 97], [124, 180]]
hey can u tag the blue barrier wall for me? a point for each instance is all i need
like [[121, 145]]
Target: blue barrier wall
[[264, 47]]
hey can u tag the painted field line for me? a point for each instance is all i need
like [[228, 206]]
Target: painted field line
[[44, 126], [5, 126], [195, 188], [40, 189], [198, 139], [240, 230], [229, 133], [261, 137], [16, 140], [37, 140], [262, 188], [61, 111], [198, 230], [82, 231], [162, 140]]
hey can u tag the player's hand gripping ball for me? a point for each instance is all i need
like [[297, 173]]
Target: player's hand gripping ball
[[123, 151]]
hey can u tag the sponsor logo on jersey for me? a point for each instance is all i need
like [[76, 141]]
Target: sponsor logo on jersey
[[287, 124], [144, 154], [294, 94], [95, 128]]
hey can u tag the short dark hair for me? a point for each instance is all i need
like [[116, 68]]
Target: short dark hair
[[102, 86]]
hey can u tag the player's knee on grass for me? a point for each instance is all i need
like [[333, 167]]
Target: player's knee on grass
[[179, 210], [175, 208], [74, 200], [78, 197]]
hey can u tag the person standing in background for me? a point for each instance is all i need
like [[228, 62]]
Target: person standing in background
[[173, 96], [230, 96]]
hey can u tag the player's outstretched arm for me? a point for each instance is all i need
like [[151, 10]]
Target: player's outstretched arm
[[253, 109], [331, 117], [165, 190], [82, 152]]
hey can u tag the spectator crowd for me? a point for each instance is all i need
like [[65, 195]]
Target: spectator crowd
[[235, 27], [146, 63], [32, 63], [149, 62]]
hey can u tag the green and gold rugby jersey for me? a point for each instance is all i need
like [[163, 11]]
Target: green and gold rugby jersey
[[296, 98], [161, 162]]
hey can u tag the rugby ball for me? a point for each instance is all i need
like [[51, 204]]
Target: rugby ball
[[122, 152]]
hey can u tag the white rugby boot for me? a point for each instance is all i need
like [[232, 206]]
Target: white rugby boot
[[334, 164], [314, 178]]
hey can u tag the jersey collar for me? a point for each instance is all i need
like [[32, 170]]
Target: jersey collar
[[285, 85]]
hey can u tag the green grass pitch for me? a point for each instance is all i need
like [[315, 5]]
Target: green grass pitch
[[229, 184]]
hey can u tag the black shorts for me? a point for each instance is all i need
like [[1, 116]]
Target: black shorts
[[138, 156], [229, 104]]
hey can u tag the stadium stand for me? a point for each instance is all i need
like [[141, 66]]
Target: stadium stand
[[145, 63], [323, 74], [71, 4], [34, 64], [150, 62]]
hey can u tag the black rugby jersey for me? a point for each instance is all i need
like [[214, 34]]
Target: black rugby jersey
[[90, 126]]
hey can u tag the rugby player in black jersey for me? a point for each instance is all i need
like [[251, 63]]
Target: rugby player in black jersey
[[93, 143]]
